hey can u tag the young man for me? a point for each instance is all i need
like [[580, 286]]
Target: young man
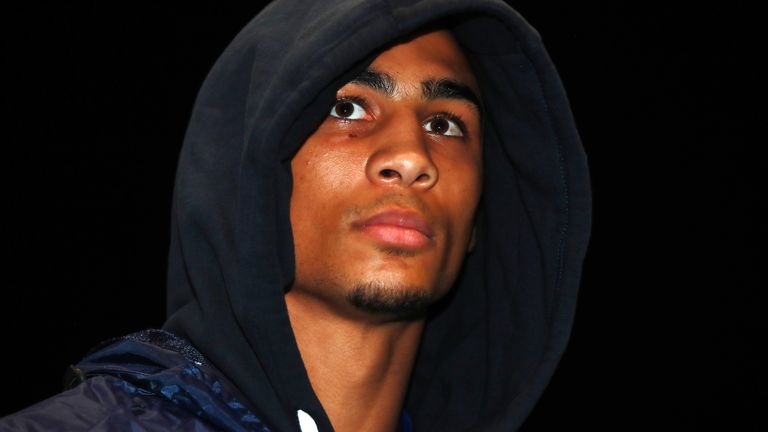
[[382, 210], [380, 216]]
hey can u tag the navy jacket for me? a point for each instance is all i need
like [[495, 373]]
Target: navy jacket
[[146, 381], [488, 349], [152, 380]]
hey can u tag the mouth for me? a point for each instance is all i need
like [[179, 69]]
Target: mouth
[[398, 228]]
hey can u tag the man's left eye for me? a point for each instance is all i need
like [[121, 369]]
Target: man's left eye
[[444, 126], [348, 110]]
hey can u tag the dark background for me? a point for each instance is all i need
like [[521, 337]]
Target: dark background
[[671, 319]]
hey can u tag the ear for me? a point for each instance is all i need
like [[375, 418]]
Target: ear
[[472, 239]]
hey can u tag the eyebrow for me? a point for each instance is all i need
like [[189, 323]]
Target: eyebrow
[[431, 89], [445, 88], [379, 81]]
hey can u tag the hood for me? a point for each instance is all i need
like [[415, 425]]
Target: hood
[[490, 349]]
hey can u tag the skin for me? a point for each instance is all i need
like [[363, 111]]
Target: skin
[[394, 152]]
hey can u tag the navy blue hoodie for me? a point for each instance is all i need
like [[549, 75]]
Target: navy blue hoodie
[[489, 350]]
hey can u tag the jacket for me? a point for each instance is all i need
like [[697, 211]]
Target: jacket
[[150, 380], [489, 350]]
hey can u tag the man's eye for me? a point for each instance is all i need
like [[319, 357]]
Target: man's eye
[[348, 110], [444, 125]]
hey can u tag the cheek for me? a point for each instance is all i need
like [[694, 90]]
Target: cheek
[[325, 165], [463, 185], [322, 172], [461, 195]]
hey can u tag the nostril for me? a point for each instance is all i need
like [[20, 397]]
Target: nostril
[[389, 173], [422, 178]]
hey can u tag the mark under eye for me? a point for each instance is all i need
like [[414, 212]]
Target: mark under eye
[[349, 108], [445, 124]]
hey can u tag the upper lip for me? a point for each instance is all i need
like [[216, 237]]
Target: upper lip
[[400, 218]]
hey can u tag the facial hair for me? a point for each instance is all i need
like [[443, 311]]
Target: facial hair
[[398, 302]]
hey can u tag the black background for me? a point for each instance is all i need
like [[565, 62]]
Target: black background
[[671, 319]]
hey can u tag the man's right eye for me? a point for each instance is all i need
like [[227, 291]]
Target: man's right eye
[[348, 110]]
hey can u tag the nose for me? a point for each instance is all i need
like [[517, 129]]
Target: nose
[[404, 161]]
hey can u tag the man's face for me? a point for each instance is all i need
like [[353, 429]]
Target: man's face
[[385, 190]]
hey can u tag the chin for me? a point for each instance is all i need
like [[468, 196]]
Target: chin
[[396, 302]]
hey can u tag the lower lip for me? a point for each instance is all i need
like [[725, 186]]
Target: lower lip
[[397, 235]]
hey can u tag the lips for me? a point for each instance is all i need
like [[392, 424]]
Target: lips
[[400, 228]]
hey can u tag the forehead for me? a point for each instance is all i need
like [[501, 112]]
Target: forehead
[[435, 54]]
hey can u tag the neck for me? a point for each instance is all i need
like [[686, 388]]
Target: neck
[[359, 370]]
